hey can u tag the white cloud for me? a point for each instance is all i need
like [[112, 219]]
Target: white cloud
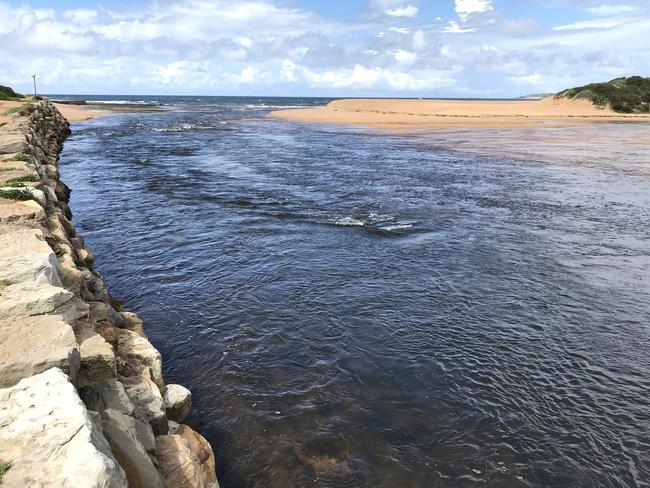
[[81, 16], [267, 47], [407, 11], [454, 28], [612, 9], [363, 77], [466, 8], [405, 57], [419, 41], [592, 24]]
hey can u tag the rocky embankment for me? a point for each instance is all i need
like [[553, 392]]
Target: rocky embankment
[[83, 402]]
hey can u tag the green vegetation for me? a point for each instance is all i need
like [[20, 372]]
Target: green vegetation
[[14, 184], [12, 110], [624, 95], [4, 465], [21, 179], [7, 93], [17, 194], [20, 157], [2, 124], [4, 170]]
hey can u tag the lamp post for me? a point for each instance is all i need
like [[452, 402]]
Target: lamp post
[[34, 77]]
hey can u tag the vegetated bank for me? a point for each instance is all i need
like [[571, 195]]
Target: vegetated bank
[[82, 394], [7, 93], [624, 95]]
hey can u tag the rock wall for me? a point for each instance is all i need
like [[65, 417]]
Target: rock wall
[[83, 401]]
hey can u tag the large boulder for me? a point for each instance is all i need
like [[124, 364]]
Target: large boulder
[[132, 443], [34, 299], [97, 355], [133, 323], [21, 212], [178, 402], [140, 355], [31, 345], [203, 451], [148, 402], [12, 142], [186, 460], [107, 395], [97, 360], [25, 256], [52, 440]]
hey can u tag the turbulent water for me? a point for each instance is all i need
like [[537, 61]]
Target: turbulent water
[[353, 308]]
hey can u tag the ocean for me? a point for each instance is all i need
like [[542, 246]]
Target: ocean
[[359, 308]]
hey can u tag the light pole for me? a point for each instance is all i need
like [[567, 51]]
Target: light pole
[[34, 77]]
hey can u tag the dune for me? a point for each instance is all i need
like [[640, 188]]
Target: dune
[[449, 114]]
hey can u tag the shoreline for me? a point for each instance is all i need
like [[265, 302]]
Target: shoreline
[[79, 113], [414, 114], [82, 388]]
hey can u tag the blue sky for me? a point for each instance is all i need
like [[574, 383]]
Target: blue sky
[[409, 48]]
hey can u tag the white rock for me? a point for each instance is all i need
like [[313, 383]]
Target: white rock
[[107, 395], [51, 439], [134, 348], [26, 256], [31, 345], [34, 299], [12, 143], [36, 194], [148, 402], [15, 212], [97, 360], [131, 441], [178, 402]]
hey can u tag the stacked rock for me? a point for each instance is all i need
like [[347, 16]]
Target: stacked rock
[[83, 402]]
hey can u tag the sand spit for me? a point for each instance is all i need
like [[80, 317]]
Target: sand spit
[[409, 114]]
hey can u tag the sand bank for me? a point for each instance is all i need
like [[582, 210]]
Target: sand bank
[[76, 113], [453, 114]]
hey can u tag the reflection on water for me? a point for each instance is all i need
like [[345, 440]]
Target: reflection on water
[[355, 308]]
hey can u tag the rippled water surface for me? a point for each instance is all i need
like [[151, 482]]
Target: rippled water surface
[[354, 308]]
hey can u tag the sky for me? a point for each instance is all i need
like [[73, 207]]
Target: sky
[[333, 48]]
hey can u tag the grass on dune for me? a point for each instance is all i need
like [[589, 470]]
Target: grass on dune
[[624, 95]]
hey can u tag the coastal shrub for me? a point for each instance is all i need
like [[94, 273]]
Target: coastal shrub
[[14, 184], [624, 95], [4, 170], [21, 179], [7, 93], [20, 157], [16, 194], [4, 465]]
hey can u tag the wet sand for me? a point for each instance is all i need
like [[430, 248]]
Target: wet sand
[[458, 114]]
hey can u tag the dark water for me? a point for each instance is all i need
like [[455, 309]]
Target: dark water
[[352, 308]]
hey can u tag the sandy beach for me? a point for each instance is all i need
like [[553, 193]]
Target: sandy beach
[[76, 113], [457, 114]]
